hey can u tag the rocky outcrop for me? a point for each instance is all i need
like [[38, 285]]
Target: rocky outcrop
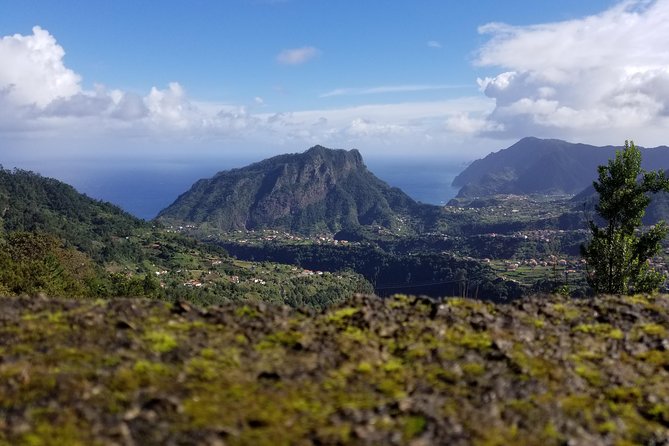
[[318, 190]]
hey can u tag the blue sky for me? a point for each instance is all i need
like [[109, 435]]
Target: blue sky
[[171, 84], [225, 51]]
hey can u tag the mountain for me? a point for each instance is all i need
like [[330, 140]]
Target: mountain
[[30, 202], [544, 166], [658, 209], [318, 190], [58, 242]]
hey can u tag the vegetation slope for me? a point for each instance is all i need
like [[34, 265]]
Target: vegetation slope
[[56, 241], [544, 166], [320, 190]]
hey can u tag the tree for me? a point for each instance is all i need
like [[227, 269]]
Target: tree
[[618, 253]]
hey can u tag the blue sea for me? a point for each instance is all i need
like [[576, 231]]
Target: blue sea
[[144, 190]]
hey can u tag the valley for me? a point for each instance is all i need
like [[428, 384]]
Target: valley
[[303, 300], [311, 229], [333, 223]]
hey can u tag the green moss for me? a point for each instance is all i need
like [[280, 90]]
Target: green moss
[[472, 369], [148, 370], [391, 388], [202, 369], [355, 334], [598, 329], [532, 366], [399, 301], [365, 367], [652, 329], [616, 333], [660, 412], [57, 431], [288, 339], [393, 365], [567, 312], [160, 341], [413, 426], [341, 315], [498, 436], [335, 433], [656, 358], [208, 353], [247, 311], [184, 325], [637, 299], [607, 427], [624, 394], [32, 382], [241, 339], [590, 374], [577, 405], [469, 338], [352, 377], [551, 433]]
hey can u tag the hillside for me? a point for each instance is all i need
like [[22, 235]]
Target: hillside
[[658, 209], [541, 371], [318, 190], [56, 241], [30, 202], [544, 166]]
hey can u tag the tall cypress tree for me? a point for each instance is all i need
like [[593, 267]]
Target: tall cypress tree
[[618, 253]]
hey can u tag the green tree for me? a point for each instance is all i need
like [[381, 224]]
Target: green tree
[[618, 253]]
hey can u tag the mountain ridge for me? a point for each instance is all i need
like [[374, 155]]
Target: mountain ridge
[[543, 166], [320, 189]]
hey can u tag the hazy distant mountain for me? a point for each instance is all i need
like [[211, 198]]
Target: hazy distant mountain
[[543, 166], [318, 190], [657, 210]]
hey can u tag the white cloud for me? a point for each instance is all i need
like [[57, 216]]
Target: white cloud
[[80, 104], [43, 105], [433, 44], [368, 128], [468, 124], [129, 107], [605, 74], [171, 107], [390, 89], [32, 69], [297, 56]]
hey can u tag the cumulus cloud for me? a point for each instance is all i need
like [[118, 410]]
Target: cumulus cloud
[[433, 44], [79, 105], [608, 71], [33, 71], [171, 106], [43, 101], [297, 56], [128, 107]]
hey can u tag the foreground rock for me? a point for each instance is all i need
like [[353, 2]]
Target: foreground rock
[[546, 370]]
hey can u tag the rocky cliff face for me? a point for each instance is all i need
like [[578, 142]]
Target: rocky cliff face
[[544, 166], [318, 190]]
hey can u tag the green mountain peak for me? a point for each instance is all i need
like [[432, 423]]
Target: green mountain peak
[[318, 190]]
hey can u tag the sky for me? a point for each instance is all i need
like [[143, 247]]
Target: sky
[[91, 85]]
